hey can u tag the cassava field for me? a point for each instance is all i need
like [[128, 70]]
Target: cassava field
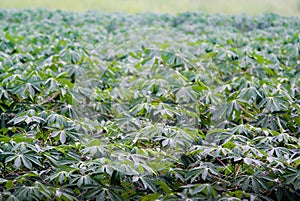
[[149, 107]]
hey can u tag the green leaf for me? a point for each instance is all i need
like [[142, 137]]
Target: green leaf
[[164, 186], [255, 186], [26, 163], [151, 197], [17, 162], [9, 184]]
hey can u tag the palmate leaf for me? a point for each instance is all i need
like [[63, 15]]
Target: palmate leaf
[[202, 172], [126, 168], [60, 177], [256, 183], [146, 182], [28, 160], [250, 93], [103, 193], [198, 189], [27, 89], [127, 122], [186, 95], [273, 103], [26, 119], [29, 193], [56, 118], [81, 180], [96, 151], [165, 111], [293, 177]]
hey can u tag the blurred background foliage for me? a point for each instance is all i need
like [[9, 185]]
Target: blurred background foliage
[[251, 7]]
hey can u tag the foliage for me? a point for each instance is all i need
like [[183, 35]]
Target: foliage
[[149, 106]]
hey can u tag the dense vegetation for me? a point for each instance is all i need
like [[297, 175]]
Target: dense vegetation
[[149, 106]]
